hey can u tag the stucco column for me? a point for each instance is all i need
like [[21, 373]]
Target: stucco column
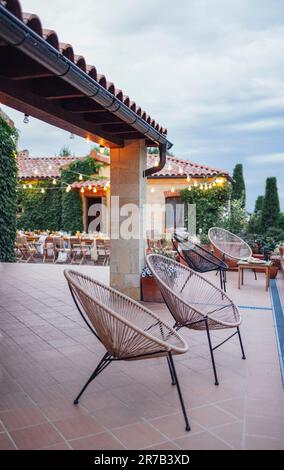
[[127, 182]]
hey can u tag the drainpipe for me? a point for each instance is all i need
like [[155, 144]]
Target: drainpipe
[[163, 158]]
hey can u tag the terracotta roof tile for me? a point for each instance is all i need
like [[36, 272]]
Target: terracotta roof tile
[[34, 22], [49, 167]]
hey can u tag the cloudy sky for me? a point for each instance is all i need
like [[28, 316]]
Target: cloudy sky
[[211, 71]]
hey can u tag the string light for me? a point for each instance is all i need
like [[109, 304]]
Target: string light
[[172, 190], [26, 119], [54, 181], [105, 188], [82, 190], [169, 166], [24, 186], [68, 188], [94, 190], [156, 163], [89, 187], [80, 177], [102, 149], [195, 184], [205, 186], [180, 170], [42, 191], [88, 139], [36, 172], [189, 188], [188, 179], [30, 186], [152, 190], [201, 186], [50, 167]]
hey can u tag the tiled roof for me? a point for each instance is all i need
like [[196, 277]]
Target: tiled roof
[[34, 22], [84, 184], [176, 167], [49, 167]]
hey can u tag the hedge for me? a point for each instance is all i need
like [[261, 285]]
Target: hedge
[[8, 195]]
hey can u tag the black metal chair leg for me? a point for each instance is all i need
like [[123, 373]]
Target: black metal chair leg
[[224, 280], [221, 279], [100, 367], [171, 372], [171, 362], [211, 352], [255, 276], [241, 344]]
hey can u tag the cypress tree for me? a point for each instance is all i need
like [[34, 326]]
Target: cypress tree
[[238, 185], [258, 204], [271, 206]]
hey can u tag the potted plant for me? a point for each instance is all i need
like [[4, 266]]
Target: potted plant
[[149, 286]]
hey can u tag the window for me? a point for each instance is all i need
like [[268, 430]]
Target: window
[[174, 213]]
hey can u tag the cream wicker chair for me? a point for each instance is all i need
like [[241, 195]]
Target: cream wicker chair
[[194, 302], [228, 244], [127, 330]]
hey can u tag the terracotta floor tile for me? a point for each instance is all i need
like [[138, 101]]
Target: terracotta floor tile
[[36, 437], [263, 443], [59, 446], [114, 416], [137, 436], [173, 425], [271, 428], [103, 441], [22, 417], [201, 441], [209, 416], [231, 433], [168, 445], [5, 442], [79, 426]]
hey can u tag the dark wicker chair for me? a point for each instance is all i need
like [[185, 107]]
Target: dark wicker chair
[[199, 259]]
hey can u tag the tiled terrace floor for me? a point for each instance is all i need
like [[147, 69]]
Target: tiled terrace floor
[[47, 354]]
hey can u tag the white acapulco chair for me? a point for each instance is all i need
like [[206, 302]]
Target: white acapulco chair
[[194, 302], [127, 329]]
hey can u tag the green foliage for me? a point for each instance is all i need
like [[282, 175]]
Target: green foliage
[[238, 185], [271, 207], [210, 205], [8, 195], [235, 221], [65, 152], [39, 211], [72, 202], [259, 204]]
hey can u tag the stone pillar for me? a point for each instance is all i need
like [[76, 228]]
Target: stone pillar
[[127, 256]]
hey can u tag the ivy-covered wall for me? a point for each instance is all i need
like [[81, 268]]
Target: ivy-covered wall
[[55, 209], [39, 211], [72, 209], [8, 195], [210, 205]]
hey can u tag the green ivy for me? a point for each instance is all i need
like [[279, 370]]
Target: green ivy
[[210, 205], [39, 211], [72, 207], [8, 195], [55, 209]]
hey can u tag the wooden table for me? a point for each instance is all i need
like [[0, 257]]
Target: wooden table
[[265, 267]]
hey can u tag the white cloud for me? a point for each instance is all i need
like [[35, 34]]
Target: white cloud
[[266, 159]]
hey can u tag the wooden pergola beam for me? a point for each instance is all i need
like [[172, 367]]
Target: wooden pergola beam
[[12, 94]]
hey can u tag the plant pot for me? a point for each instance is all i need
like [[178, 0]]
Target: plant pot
[[150, 290], [273, 272]]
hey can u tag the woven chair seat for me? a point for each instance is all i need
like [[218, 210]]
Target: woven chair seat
[[191, 298], [126, 328], [229, 244]]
